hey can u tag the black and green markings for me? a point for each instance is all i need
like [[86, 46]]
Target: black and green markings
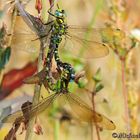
[[58, 30]]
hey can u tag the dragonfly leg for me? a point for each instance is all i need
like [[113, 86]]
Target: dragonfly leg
[[41, 37], [51, 14], [48, 23]]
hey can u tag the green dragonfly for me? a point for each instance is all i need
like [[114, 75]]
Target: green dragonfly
[[82, 111], [79, 41], [92, 48], [58, 33], [79, 108]]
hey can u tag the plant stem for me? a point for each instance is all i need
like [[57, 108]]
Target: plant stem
[[37, 87], [35, 99], [132, 91], [125, 96], [56, 129], [56, 123], [92, 135], [13, 20], [96, 126]]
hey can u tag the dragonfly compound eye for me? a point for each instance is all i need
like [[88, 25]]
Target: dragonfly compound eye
[[58, 13]]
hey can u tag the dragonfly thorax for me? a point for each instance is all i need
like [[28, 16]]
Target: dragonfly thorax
[[58, 30]]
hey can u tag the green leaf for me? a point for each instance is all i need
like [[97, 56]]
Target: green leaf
[[81, 84], [4, 57], [58, 85], [97, 77], [134, 42], [99, 87], [7, 54], [2, 32]]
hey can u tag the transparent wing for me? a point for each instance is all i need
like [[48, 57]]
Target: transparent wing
[[12, 117], [44, 104], [84, 48], [41, 106], [96, 34], [23, 38], [106, 123], [26, 17], [82, 110], [33, 23], [85, 113], [91, 42], [25, 42]]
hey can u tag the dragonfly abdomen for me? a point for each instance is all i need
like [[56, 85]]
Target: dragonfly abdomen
[[56, 39], [67, 67], [48, 65]]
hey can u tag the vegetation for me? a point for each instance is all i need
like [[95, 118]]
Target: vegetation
[[78, 61]]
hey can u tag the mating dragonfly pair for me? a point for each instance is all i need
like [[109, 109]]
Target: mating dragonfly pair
[[89, 46]]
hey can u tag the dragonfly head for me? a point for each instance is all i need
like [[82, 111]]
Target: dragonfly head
[[60, 13]]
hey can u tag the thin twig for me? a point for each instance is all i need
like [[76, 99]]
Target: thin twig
[[92, 134], [93, 105], [36, 90], [13, 20], [132, 92], [96, 126], [124, 90], [56, 129], [35, 98]]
